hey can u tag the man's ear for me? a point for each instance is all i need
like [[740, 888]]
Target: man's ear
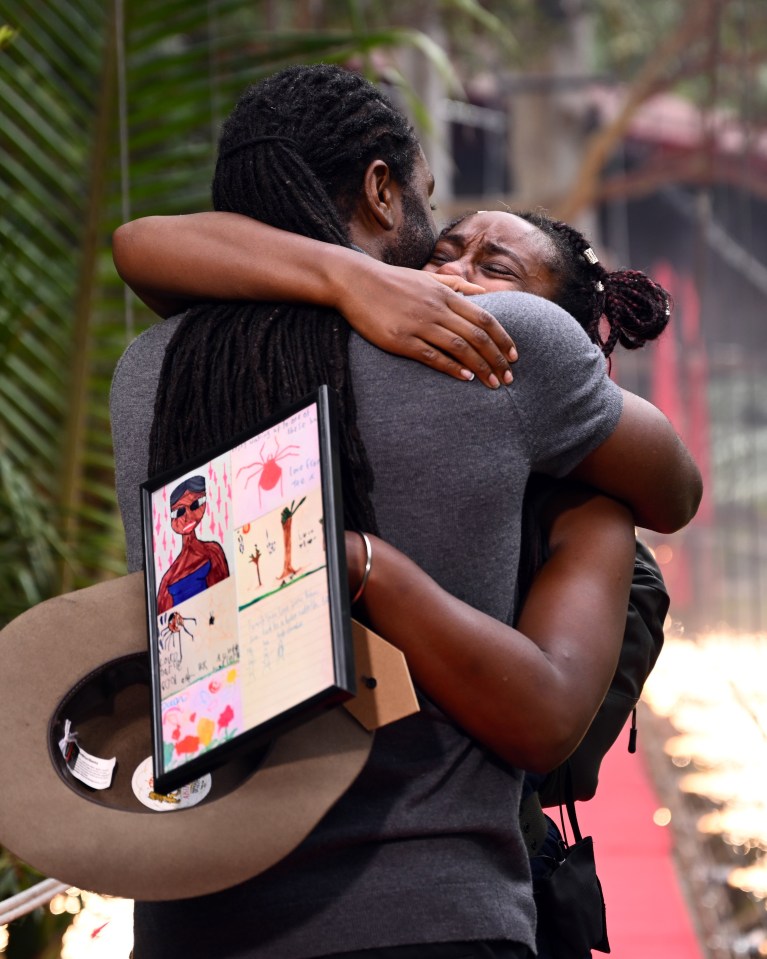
[[378, 197]]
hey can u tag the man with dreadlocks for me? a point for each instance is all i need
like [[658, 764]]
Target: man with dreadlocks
[[423, 857]]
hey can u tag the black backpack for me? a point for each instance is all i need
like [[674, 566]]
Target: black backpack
[[642, 643], [567, 891]]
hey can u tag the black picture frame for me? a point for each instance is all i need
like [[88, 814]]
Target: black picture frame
[[262, 634]]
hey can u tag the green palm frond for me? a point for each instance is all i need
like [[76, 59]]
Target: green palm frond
[[49, 128], [65, 186], [6, 35], [500, 29]]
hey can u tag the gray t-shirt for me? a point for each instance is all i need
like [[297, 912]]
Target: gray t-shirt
[[426, 845]]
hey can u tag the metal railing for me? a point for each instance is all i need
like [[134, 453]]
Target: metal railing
[[30, 899]]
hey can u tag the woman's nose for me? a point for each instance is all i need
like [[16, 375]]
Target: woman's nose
[[452, 268]]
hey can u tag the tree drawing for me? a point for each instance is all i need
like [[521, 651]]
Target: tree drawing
[[255, 558], [286, 518]]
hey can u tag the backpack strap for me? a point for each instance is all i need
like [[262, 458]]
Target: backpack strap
[[570, 805]]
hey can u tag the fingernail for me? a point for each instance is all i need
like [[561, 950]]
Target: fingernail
[[513, 355], [467, 375], [507, 377], [494, 381]]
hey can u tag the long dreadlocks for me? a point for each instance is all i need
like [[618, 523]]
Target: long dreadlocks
[[292, 154]]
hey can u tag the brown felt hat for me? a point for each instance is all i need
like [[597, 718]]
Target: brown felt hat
[[83, 657]]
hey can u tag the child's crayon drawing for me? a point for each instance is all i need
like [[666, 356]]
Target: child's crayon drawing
[[279, 548], [198, 638], [202, 716], [276, 468], [191, 525]]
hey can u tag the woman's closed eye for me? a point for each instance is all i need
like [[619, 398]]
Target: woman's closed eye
[[499, 269], [442, 256]]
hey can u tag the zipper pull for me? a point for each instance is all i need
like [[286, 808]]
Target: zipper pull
[[633, 731]]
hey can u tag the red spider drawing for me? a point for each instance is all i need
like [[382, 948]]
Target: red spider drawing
[[268, 470]]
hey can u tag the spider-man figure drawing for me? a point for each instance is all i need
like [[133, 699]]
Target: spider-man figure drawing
[[200, 563]]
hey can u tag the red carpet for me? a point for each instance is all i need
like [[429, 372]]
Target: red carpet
[[647, 916]]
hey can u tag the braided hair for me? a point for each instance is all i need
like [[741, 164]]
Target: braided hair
[[291, 154], [635, 307]]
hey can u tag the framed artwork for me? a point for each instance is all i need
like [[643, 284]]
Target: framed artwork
[[247, 599]]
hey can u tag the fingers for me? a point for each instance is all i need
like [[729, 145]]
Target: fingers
[[488, 338], [477, 341], [458, 284], [448, 352], [411, 314], [462, 348]]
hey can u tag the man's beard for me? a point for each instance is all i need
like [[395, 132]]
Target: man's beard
[[413, 244]]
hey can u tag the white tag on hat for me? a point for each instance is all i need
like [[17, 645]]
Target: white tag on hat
[[91, 770]]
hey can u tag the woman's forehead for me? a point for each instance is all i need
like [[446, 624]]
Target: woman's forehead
[[497, 231], [498, 223]]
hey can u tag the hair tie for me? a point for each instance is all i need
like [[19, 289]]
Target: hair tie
[[255, 141]]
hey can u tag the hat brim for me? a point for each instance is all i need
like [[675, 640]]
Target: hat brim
[[109, 842]]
